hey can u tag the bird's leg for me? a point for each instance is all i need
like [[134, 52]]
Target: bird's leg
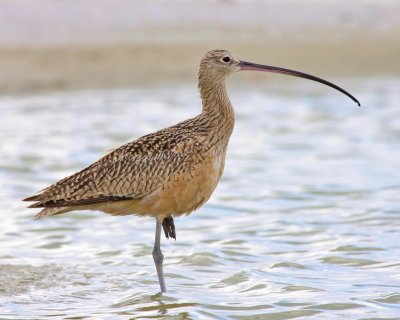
[[169, 227], [159, 257]]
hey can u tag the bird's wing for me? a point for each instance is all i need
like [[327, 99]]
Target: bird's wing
[[129, 172]]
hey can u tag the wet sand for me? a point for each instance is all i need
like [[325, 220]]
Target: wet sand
[[49, 44], [18, 279]]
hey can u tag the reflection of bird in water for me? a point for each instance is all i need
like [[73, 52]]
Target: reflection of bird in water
[[167, 173]]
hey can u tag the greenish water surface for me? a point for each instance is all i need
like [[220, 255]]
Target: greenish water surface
[[304, 224]]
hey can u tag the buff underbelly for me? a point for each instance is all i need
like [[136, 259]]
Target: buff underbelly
[[179, 196]]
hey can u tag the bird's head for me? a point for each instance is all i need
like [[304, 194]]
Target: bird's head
[[217, 64]]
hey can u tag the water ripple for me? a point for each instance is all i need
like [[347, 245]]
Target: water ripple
[[304, 223]]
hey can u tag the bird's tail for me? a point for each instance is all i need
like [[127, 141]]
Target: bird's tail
[[50, 212]]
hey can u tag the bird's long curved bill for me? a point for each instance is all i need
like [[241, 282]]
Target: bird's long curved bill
[[244, 65]]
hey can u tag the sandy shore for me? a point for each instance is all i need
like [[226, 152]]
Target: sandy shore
[[48, 44]]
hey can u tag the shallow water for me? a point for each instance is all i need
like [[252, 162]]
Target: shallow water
[[304, 223]]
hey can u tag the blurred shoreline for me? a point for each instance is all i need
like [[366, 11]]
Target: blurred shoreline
[[48, 44]]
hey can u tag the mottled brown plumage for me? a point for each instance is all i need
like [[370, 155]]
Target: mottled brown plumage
[[167, 173], [170, 172]]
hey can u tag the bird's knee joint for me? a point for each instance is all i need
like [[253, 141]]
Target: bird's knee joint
[[158, 256]]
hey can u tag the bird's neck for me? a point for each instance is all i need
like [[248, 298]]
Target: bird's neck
[[217, 108]]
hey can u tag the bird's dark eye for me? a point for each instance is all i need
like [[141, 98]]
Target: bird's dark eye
[[226, 59]]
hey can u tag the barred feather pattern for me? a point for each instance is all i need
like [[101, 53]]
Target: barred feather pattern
[[187, 157]]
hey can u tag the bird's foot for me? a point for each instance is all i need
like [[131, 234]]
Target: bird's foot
[[169, 227]]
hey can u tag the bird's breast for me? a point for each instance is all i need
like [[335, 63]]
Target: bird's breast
[[186, 191]]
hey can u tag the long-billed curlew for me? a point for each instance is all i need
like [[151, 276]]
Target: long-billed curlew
[[167, 173]]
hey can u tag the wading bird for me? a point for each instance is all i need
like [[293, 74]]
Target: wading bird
[[167, 173]]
